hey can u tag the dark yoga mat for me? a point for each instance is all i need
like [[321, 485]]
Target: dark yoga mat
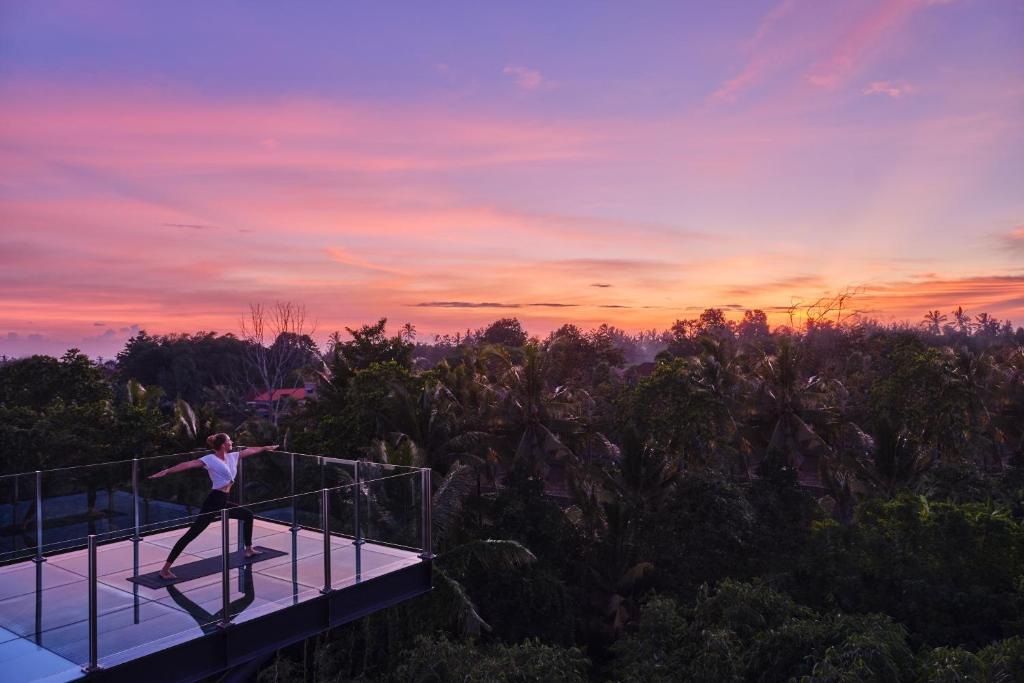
[[211, 565]]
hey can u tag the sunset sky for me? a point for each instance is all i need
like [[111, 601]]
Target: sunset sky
[[162, 165]]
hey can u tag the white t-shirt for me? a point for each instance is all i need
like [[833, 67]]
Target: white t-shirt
[[222, 472]]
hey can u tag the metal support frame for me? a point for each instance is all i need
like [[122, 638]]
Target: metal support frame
[[425, 504], [39, 518], [225, 588], [93, 664], [325, 520], [357, 494], [135, 499]]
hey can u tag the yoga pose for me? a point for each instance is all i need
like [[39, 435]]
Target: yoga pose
[[222, 466]]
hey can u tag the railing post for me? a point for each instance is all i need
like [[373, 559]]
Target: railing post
[[369, 507], [93, 664], [295, 516], [225, 588], [359, 563], [425, 504], [135, 585], [325, 522], [135, 498], [14, 509], [39, 604], [241, 501], [39, 518], [357, 492], [295, 568]]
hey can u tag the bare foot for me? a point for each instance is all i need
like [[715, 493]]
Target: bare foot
[[167, 574], [252, 552]]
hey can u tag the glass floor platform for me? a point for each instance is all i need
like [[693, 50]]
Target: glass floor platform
[[44, 631]]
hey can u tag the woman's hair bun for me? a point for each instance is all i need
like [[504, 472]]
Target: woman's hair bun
[[215, 441]]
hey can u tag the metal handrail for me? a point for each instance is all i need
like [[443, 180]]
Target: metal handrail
[[323, 458], [137, 526], [225, 621]]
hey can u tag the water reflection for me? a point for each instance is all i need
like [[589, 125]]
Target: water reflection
[[209, 621]]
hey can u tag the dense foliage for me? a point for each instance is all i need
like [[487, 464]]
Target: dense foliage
[[719, 502]]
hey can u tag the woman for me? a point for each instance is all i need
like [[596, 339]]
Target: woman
[[222, 466]]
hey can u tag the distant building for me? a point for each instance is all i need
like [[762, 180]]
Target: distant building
[[261, 402]]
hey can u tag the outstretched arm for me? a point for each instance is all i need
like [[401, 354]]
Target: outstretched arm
[[180, 467], [256, 449]]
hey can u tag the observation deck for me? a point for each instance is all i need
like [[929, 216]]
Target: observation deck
[[345, 539]]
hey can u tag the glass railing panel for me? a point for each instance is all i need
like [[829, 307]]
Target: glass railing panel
[[274, 474], [86, 499], [17, 516], [391, 507]]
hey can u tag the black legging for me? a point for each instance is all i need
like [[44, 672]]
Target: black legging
[[214, 503]]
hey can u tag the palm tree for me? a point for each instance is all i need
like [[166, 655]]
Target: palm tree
[[787, 401], [979, 378], [719, 370], [933, 321], [428, 428], [962, 320], [452, 563], [530, 415], [610, 505]]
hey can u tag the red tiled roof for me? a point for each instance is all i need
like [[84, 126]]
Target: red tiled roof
[[280, 394]]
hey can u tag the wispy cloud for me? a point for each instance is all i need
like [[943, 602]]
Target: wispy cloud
[[464, 304], [601, 285], [189, 226], [856, 44], [782, 287], [345, 258], [889, 89], [758, 63], [1014, 240], [1000, 295], [526, 78], [488, 304]]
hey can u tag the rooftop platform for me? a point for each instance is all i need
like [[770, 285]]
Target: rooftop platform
[[179, 633]]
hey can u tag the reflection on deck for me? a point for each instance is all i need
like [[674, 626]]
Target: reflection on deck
[[44, 631]]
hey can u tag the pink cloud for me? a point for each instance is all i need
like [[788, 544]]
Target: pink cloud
[[113, 130], [858, 41], [889, 89], [758, 63], [527, 79], [999, 295], [193, 208], [1014, 240], [345, 258]]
